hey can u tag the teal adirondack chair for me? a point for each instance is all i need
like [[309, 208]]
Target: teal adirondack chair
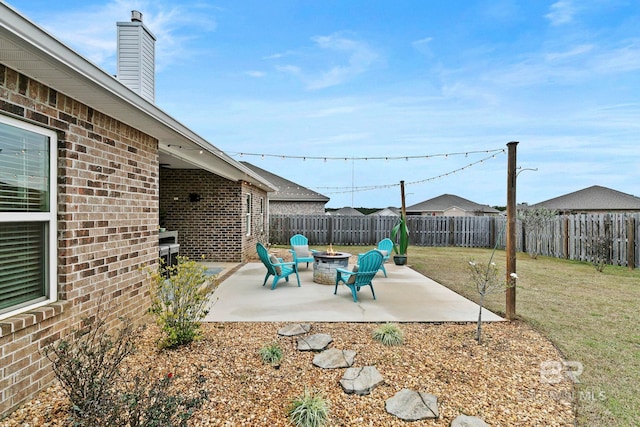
[[385, 246], [276, 267], [368, 265], [300, 249]]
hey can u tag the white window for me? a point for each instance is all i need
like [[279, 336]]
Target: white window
[[249, 212], [28, 212]]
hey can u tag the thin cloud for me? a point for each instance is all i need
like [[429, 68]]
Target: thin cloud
[[356, 57], [256, 74], [569, 54], [289, 69], [562, 12], [423, 45], [619, 60], [360, 58], [278, 55]]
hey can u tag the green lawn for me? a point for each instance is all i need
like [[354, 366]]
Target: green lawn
[[591, 317]]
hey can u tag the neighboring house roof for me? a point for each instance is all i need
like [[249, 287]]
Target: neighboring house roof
[[594, 198], [347, 211], [447, 201], [32, 51], [287, 191], [390, 211]]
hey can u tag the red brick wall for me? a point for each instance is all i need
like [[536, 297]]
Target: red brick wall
[[208, 212], [107, 227], [259, 223]]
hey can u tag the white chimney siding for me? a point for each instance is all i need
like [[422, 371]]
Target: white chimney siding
[[136, 57]]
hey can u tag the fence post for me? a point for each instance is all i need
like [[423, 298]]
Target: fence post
[[510, 249], [452, 226], [492, 233], [565, 238], [631, 242]]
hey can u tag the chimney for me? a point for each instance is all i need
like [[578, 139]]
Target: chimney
[[136, 57]]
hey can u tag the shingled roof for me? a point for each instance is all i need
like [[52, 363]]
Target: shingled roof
[[287, 191], [448, 201], [594, 198], [346, 211]]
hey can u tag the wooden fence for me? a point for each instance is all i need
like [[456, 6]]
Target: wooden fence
[[578, 237]]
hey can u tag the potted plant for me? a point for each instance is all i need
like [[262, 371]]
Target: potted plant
[[400, 237]]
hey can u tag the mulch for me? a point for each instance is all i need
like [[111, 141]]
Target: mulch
[[498, 380]]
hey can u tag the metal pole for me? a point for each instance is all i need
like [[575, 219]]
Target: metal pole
[[511, 230], [404, 209]]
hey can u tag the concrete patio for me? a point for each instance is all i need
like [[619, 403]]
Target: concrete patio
[[405, 296]]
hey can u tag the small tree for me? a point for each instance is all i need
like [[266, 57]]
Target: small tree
[[486, 281], [534, 220], [180, 296], [600, 251]]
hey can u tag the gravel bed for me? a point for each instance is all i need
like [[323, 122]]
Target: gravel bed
[[498, 381]]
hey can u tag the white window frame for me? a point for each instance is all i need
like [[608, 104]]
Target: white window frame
[[262, 214], [50, 218], [249, 199]]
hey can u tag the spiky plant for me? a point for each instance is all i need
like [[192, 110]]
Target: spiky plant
[[310, 409], [389, 334], [271, 353]]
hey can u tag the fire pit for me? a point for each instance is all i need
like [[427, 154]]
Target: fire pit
[[325, 265]]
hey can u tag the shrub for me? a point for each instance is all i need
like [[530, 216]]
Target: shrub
[[150, 403], [309, 410], [389, 334], [271, 353], [600, 251], [179, 298], [87, 365]]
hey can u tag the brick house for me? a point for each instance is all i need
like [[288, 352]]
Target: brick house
[[87, 165]]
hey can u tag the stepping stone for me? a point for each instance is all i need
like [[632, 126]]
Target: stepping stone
[[294, 329], [468, 421], [317, 342], [334, 358], [409, 405], [360, 381]]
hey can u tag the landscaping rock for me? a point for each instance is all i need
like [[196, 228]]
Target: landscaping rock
[[409, 405], [294, 329], [334, 358], [316, 342], [468, 421], [361, 381]]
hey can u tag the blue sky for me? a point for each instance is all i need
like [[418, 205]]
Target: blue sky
[[416, 82]]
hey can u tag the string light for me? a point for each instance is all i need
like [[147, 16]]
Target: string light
[[385, 158], [342, 190], [492, 155]]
